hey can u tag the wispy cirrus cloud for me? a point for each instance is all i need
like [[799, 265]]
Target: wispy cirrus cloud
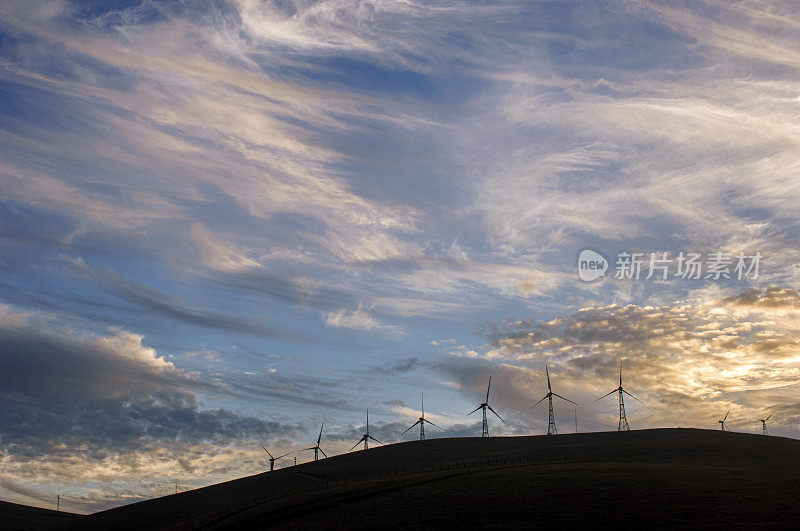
[[358, 319], [292, 186]]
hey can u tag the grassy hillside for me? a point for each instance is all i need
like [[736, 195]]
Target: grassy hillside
[[666, 477], [15, 517]]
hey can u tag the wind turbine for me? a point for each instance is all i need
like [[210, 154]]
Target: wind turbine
[[272, 459], [365, 438], [764, 424], [316, 448], [623, 420], [422, 420], [484, 406], [551, 426], [722, 422]]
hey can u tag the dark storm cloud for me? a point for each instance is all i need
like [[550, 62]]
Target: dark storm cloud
[[56, 366], [103, 394]]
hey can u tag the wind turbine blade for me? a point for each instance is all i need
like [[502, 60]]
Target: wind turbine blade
[[262, 446], [323, 452], [605, 395], [495, 412], [432, 424], [567, 399], [368, 421], [766, 419], [540, 401], [547, 371], [489, 387], [304, 449], [726, 416], [284, 455], [374, 439], [474, 410], [620, 373], [320, 433], [354, 446], [409, 429], [423, 405], [630, 395]]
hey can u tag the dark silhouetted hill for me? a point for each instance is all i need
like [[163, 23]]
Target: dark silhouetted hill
[[16, 517], [647, 478]]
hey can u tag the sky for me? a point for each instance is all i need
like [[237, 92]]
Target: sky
[[229, 222]]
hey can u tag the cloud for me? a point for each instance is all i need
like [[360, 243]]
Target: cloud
[[359, 319], [159, 303], [82, 406], [257, 171], [772, 297], [173, 110], [686, 361], [269, 105], [218, 255], [400, 366]]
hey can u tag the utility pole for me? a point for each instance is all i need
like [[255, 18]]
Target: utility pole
[[576, 420]]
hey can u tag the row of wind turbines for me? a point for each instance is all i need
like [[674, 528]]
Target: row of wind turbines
[[763, 422], [364, 438], [484, 406], [551, 424]]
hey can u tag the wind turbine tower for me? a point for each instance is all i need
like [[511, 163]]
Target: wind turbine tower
[[484, 406], [365, 438], [722, 422], [551, 426], [271, 459], [316, 448], [623, 420], [764, 424], [422, 420]]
